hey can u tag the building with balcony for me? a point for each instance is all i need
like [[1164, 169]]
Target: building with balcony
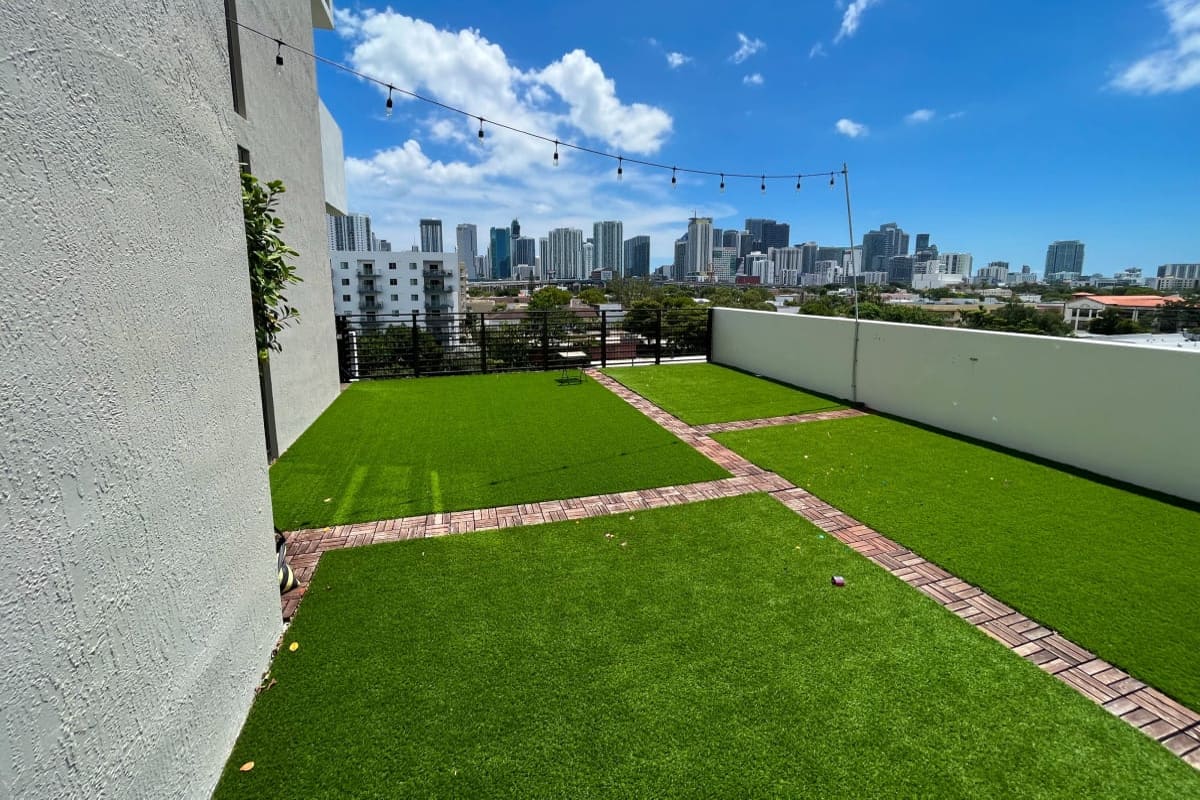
[[380, 288]]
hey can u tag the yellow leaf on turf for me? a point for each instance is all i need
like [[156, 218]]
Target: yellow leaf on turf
[[249, 765], [294, 646]]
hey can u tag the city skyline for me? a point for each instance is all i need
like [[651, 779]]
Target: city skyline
[[999, 149]]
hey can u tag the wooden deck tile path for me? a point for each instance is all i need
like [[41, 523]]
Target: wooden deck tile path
[[1175, 726]]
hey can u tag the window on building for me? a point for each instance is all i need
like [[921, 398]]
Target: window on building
[[415, 297], [345, 298], [391, 265], [393, 282], [396, 313], [345, 265], [412, 281], [396, 297], [412, 265], [235, 57], [345, 281]]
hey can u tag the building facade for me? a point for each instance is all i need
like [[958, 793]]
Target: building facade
[[637, 257], [564, 261], [698, 253], [351, 232], [1064, 257], [431, 236], [608, 239], [500, 253], [371, 287], [466, 237]]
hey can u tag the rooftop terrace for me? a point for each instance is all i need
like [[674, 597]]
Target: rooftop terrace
[[645, 604]]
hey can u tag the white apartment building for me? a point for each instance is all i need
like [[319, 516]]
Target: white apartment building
[[608, 238], [374, 287], [564, 258]]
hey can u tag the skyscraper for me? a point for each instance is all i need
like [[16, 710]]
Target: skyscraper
[[1064, 256], [698, 257], [922, 241], [565, 258], [589, 259], [524, 251], [543, 252], [730, 238], [351, 232], [500, 253], [467, 239], [768, 233], [880, 245], [637, 257], [608, 238], [431, 236], [679, 265]]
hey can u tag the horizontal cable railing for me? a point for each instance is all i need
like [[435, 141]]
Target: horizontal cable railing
[[388, 346]]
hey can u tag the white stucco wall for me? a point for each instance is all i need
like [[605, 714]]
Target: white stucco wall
[[282, 131], [1125, 412], [333, 163], [138, 603]]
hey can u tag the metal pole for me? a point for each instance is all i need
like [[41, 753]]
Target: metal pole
[[850, 226]]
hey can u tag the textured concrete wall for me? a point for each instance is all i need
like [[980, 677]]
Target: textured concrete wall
[[138, 603], [333, 164], [1125, 412], [282, 131]]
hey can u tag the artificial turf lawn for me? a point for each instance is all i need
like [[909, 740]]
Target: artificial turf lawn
[[701, 394], [700, 651], [1113, 570], [387, 449]]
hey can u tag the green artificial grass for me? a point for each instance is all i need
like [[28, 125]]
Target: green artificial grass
[[699, 652], [387, 449], [1115, 571], [700, 394]]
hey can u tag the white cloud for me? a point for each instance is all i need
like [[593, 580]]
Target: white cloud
[[435, 166], [817, 49], [746, 48], [920, 115], [753, 79], [677, 60], [853, 17], [1175, 68], [848, 127], [956, 115]]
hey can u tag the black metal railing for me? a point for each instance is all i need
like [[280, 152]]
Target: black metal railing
[[380, 346]]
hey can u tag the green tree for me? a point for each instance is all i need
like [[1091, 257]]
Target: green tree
[[549, 297], [593, 296], [270, 270]]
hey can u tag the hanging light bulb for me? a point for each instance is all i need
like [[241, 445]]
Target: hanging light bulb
[[556, 152], [278, 56], [831, 180], [388, 113], [722, 183], [763, 185], [481, 127], [620, 171], [798, 183], [673, 181]]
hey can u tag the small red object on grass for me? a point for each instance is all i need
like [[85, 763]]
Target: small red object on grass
[[838, 580]]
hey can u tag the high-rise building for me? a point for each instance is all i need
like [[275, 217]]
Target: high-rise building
[[767, 233], [500, 253], [524, 251], [724, 264], [543, 252], [880, 245], [900, 270], [608, 240], [467, 238], [384, 245], [351, 232], [716, 237], [431, 235], [589, 259], [957, 263], [1184, 271], [1066, 256], [993, 274], [679, 265], [565, 258], [637, 257], [787, 260], [699, 245], [830, 254], [515, 228], [922, 241], [808, 258], [730, 238]]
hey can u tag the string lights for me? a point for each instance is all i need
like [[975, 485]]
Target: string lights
[[620, 159]]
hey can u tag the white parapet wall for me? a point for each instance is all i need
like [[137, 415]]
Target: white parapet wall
[[1129, 413]]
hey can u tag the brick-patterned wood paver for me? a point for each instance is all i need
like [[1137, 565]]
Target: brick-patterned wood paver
[[1151, 712], [766, 422]]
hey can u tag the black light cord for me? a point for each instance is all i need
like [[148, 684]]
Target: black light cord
[[280, 44]]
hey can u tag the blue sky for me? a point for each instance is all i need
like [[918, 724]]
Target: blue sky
[[996, 127]]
